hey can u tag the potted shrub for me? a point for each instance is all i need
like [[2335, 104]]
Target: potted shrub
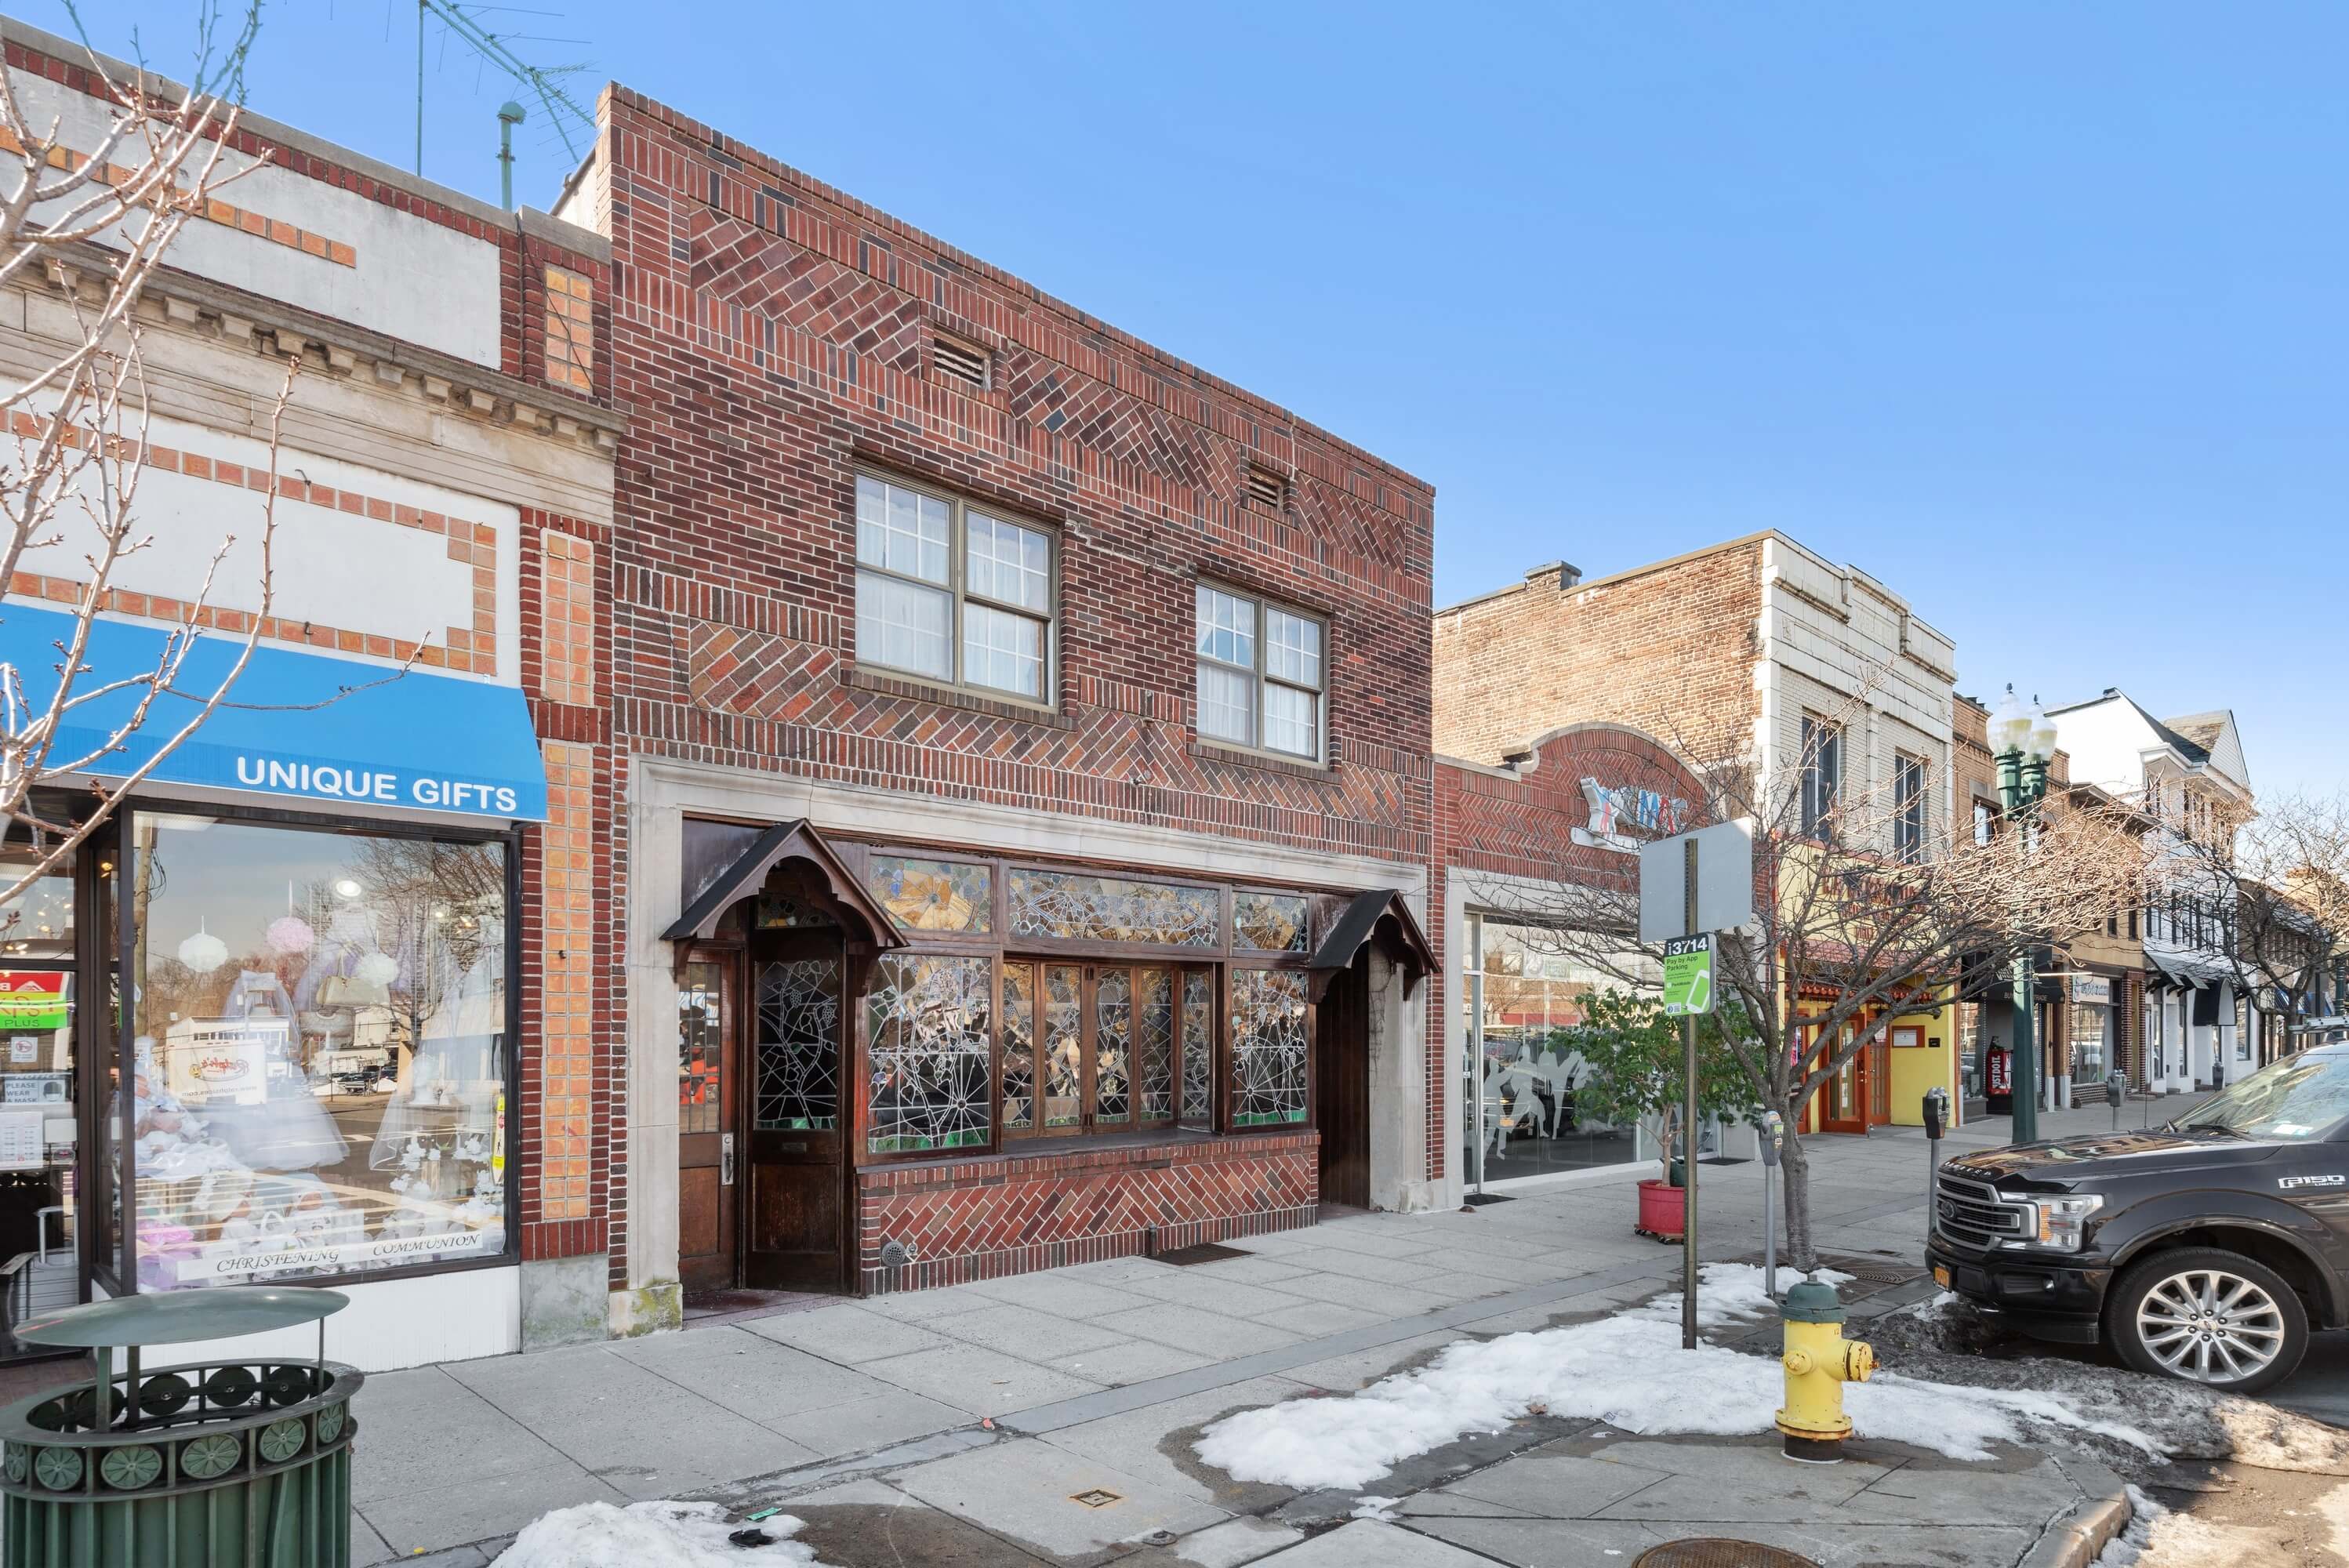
[[1633, 1058]]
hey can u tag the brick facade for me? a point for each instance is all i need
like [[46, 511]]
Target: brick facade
[[768, 338], [969, 1220]]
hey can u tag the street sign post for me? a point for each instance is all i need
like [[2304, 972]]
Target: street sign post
[[1691, 886]]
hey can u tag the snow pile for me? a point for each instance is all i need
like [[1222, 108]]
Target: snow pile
[[651, 1535], [1730, 1293], [1628, 1371]]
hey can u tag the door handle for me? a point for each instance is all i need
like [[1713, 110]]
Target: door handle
[[726, 1160]]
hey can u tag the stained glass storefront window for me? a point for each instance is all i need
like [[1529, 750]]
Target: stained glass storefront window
[[942, 896], [1078, 907], [1154, 1043], [1267, 1047], [1064, 1034], [1199, 1047], [928, 1030], [1269, 921], [1018, 1028], [1113, 1047], [798, 1043]]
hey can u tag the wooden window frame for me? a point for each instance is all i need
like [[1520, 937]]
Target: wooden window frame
[[1909, 838], [1821, 738], [959, 594], [1261, 679], [1091, 970]]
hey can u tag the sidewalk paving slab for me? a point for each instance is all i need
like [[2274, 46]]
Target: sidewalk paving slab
[[847, 1335], [859, 1427], [1027, 1490], [1372, 1543], [981, 1381]]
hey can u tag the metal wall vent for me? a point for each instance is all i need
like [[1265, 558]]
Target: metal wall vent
[[1265, 488], [893, 1254], [959, 362]]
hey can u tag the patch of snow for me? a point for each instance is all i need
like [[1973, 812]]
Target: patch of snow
[[1730, 1293], [650, 1535], [1375, 1507], [1629, 1371]]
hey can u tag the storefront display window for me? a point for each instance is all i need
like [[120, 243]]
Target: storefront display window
[[2088, 1054], [319, 1064], [1267, 1047], [1523, 995], [929, 1024], [1970, 1050]]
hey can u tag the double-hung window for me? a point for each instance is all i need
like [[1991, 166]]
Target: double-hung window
[[1908, 810], [1985, 821], [1263, 671], [1822, 772], [951, 592]]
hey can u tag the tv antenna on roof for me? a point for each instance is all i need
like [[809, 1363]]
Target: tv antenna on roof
[[569, 121]]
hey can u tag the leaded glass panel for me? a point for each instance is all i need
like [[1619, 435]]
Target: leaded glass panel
[[1019, 1047], [1082, 908], [927, 1026], [798, 1045], [700, 1049], [1113, 1046], [1267, 1047], [1269, 921], [944, 896], [1199, 1047], [1153, 1042], [1064, 1029]]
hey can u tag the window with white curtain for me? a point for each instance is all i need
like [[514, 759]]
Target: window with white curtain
[[1263, 672]]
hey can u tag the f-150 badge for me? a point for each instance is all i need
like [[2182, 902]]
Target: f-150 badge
[[2290, 1182]]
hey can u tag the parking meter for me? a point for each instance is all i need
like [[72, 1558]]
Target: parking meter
[[2115, 1091], [1772, 1138], [1937, 1122]]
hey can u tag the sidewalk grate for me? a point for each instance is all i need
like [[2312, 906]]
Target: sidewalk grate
[[1097, 1497], [1205, 1253], [1719, 1552]]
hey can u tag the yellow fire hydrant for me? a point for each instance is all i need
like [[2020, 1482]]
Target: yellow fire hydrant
[[1819, 1361]]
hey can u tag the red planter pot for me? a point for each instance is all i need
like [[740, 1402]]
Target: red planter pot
[[1663, 1210]]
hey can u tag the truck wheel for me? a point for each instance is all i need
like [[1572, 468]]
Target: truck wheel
[[2208, 1315]]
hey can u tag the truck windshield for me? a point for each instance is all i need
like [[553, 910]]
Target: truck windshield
[[2299, 1099]]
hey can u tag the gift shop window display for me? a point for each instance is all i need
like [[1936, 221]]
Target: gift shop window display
[[39, 1131], [319, 1049]]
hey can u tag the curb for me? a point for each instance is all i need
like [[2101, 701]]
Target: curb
[[2074, 1539]]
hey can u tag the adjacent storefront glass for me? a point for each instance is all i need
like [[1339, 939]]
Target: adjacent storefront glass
[[1521, 996], [320, 1064]]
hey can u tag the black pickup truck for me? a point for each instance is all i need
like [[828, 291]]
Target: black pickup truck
[[2206, 1248]]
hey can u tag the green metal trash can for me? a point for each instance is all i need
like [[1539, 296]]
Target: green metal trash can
[[205, 1464]]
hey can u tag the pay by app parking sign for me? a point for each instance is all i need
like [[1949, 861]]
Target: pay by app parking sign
[[1688, 975]]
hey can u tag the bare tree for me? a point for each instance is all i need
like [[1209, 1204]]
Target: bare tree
[[92, 223], [1859, 917], [2270, 883]]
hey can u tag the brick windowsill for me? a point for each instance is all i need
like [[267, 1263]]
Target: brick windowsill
[[1214, 751], [894, 684]]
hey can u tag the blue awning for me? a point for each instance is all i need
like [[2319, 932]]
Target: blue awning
[[296, 726]]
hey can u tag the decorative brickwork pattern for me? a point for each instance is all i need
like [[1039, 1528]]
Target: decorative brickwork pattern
[[570, 330], [988, 1219], [226, 214], [567, 906], [566, 653], [472, 648]]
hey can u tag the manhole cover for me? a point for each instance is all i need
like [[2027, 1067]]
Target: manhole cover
[[1719, 1552], [1097, 1497]]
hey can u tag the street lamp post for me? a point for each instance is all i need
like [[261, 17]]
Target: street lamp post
[[2024, 742]]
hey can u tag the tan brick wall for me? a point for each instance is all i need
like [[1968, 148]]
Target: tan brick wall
[[1667, 649], [567, 654], [567, 1008]]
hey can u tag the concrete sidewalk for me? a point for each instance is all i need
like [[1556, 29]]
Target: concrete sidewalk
[[1086, 1373]]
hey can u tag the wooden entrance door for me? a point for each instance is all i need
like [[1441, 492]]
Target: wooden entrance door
[[1843, 1103], [1341, 1083], [796, 1017], [1878, 1074], [707, 1074]]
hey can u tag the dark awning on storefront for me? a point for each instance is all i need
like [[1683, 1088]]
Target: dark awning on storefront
[[1384, 918], [793, 841], [2170, 976]]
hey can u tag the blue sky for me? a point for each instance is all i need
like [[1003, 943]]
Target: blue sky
[[2034, 313]]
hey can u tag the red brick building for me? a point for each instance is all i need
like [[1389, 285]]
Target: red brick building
[[1000, 753]]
